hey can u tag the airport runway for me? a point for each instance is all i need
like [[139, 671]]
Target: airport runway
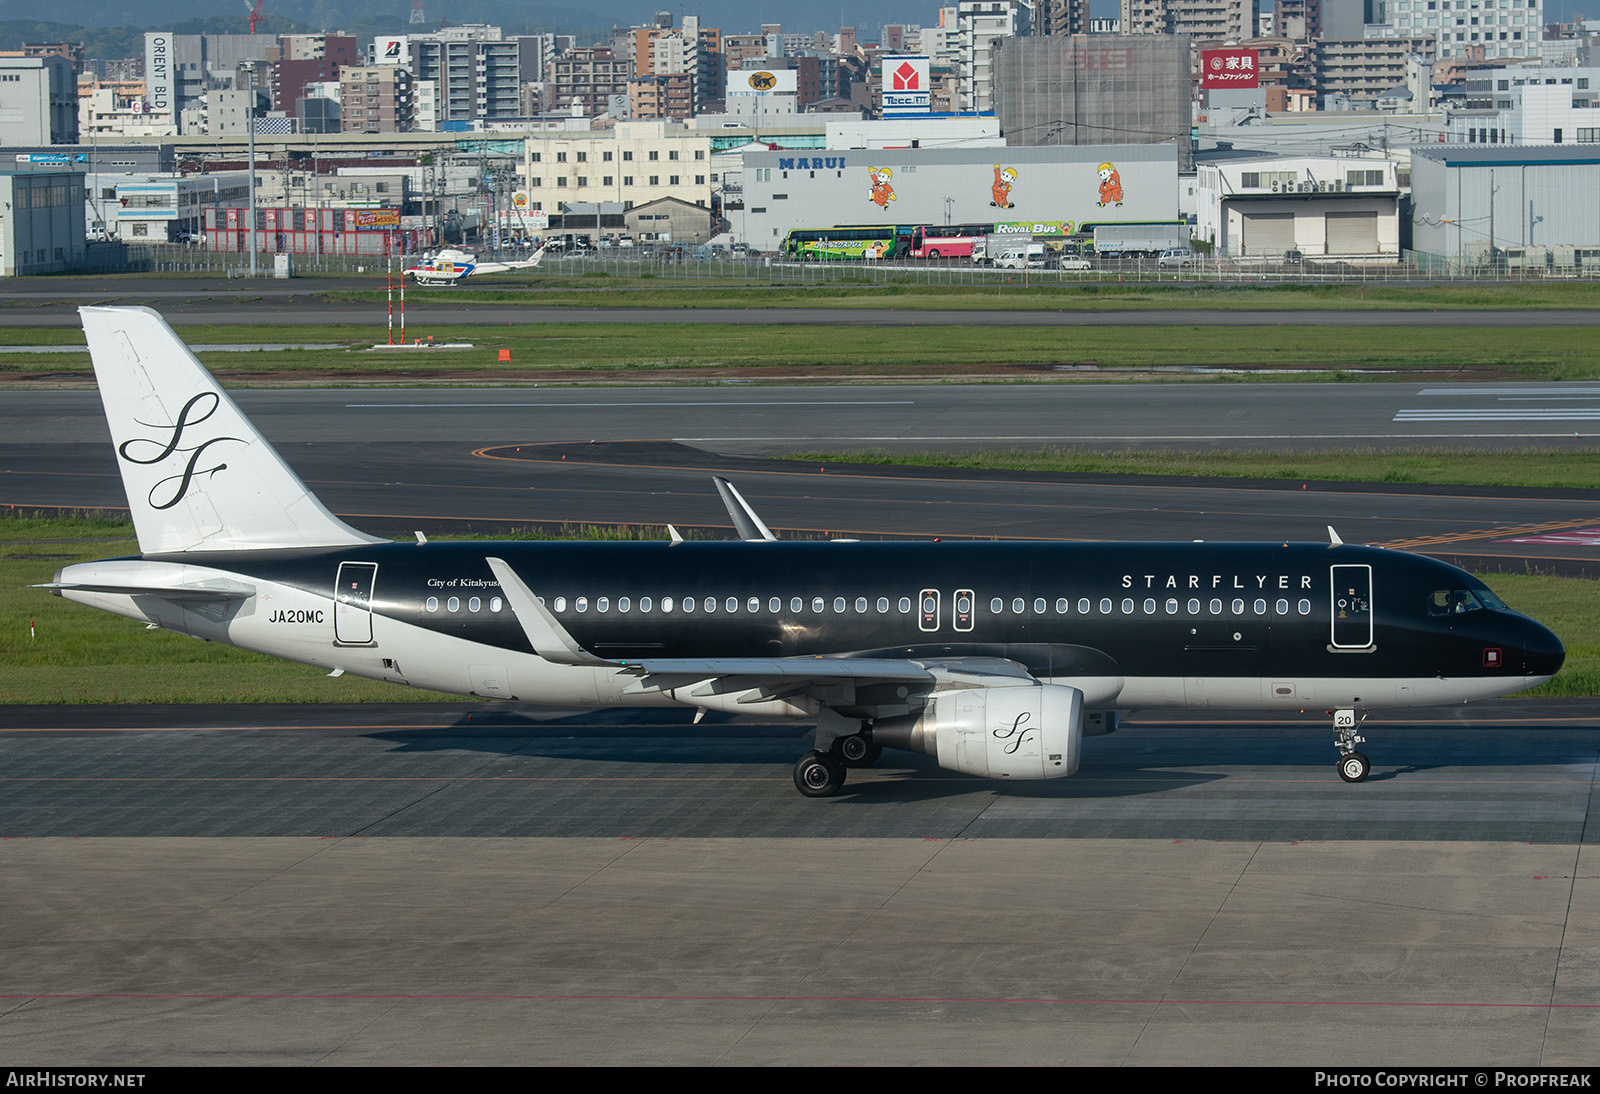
[[395, 461], [457, 885]]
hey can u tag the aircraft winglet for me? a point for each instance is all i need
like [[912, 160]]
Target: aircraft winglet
[[549, 638], [749, 526]]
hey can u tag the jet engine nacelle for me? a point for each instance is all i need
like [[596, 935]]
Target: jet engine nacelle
[[999, 733]]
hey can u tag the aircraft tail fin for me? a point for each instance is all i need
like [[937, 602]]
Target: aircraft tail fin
[[199, 476]]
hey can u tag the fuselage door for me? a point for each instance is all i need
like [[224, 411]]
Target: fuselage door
[[1352, 607], [352, 603], [961, 609], [928, 609]]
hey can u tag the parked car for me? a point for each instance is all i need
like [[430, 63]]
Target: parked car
[[1175, 256]]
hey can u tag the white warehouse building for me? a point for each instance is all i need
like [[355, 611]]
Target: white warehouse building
[[1324, 207]]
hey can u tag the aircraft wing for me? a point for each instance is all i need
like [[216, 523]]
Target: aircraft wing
[[771, 675]]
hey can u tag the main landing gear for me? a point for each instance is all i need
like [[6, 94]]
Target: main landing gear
[[1353, 767], [821, 773]]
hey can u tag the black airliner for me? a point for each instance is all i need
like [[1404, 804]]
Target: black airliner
[[995, 658]]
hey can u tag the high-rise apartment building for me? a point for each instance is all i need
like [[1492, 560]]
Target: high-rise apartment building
[[587, 77], [1203, 20], [375, 99], [478, 71], [978, 24], [1500, 28]]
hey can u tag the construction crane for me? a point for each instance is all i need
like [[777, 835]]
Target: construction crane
[[255, 14]]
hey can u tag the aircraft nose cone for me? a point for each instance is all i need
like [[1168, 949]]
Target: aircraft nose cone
[[1543, 653]]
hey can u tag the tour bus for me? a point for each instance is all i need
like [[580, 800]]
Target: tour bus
[[947, 240], [846, 244]]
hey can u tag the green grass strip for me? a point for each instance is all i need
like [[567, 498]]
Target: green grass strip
[[582, 352], [1575, 468]]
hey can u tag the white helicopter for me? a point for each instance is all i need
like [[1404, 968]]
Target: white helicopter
[[450, 267]]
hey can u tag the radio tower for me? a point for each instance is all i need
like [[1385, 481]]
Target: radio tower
[[416, 12]]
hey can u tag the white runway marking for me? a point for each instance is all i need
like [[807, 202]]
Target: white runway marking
[[1502, 414], [1527, 391], [605, 406]]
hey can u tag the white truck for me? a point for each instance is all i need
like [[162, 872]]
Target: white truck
[[1009, 252], [1138, 240]]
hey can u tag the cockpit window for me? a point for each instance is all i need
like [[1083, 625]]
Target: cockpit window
[[1461, 601]]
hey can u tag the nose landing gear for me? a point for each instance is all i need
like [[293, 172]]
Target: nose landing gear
[[1353, 767]]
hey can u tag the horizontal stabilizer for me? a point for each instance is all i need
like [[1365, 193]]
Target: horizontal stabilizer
[[204, 590]]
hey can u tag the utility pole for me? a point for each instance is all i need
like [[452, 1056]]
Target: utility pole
[[250, 128]]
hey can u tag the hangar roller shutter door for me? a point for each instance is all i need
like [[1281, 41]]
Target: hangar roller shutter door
[[1268, 233], [1352, 233]]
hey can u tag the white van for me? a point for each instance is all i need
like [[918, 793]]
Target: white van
[[1021, 257]]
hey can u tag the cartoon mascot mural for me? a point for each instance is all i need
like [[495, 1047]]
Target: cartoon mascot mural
[[1004, 179], [882, 193], [1110, 186]]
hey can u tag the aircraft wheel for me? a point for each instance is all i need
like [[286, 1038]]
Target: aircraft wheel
[[1354, 768], [858, 750], [818, 775]]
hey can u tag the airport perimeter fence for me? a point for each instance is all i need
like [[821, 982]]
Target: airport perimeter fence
[[625, 263]]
